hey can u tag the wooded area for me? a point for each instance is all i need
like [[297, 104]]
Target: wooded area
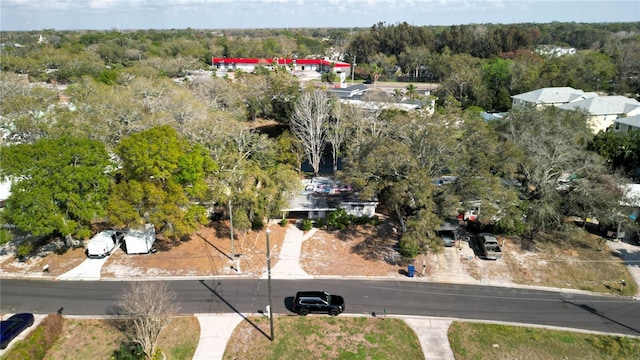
[[134, 137]]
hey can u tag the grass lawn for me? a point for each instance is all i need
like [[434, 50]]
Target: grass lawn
[[100, 338], [491, 341], [573, 259], [322, 337]]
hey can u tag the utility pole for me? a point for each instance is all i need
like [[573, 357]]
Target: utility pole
[[269, 283], [353, 70], [233, 255]]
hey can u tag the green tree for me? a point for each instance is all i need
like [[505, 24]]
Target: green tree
[[59, 185], [496, 77], [161, 177]]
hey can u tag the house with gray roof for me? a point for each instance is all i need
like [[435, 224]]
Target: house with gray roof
[[322, 195], [604, 110], [350, 92], [551, 96], [625, 124]]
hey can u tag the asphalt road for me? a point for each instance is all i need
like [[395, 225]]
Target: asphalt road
[[580, 311]]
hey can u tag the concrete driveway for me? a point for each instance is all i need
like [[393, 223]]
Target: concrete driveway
[[89, 270]]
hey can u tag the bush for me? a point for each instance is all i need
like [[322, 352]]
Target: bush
[[307, 225], [283, 222], [24, 249], [129, 351], [321, 223], [257, 223], [5, 236], [37, 343], [339, 219], [410, 246]]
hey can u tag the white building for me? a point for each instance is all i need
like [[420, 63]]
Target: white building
[[604, 110], [625, 124], [551, 96]]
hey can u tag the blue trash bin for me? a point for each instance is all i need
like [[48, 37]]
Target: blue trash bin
[[411, 270]]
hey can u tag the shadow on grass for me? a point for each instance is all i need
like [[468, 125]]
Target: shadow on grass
[[219, 296]]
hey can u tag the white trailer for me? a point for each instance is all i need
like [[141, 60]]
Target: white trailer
[[140, 241], [104, 243]]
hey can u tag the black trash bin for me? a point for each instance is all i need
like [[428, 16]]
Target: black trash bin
[[411, 270]]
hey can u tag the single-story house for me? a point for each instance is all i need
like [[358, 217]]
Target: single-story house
[[349, 92], [322, 195], [625, 124], [296, 65], [551, 96], [603, 110]]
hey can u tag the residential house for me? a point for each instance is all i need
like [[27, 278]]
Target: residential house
[[322, 195], [551, 96], [625, 124], [603, 110], [350, 92]]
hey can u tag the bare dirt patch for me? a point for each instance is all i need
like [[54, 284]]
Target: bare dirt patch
[[364, 250], [54, 254], [206, 253]]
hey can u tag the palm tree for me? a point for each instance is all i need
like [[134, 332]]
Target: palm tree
[[377, 71], [397, 93], [412, 91]]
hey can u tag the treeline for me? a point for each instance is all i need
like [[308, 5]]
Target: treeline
[[485, 40], [477, 65]]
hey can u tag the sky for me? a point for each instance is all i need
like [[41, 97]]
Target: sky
[[251, 14]]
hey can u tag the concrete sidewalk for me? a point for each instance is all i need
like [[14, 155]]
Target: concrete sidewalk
[[215, 331], [288, 265]]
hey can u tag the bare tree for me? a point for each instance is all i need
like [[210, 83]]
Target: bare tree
[[338, 129], [308, 124], [148, 307]]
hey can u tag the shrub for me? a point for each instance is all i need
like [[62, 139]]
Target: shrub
[[39, 341], [24, 249], [129, 351], [338, 219], [307, 225], [321, 223], [257, 223], [5, 236], [410, 245], [283, 222]]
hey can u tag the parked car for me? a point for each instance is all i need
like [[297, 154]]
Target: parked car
[[307, 302], [14, 326], [448, 234], [490, 248]]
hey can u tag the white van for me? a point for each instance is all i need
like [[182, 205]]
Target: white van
[[104, 243]]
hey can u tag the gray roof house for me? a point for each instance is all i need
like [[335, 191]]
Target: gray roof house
[[353, 91], [603, 110], [625, 124], [550, 96], [322, 195]]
